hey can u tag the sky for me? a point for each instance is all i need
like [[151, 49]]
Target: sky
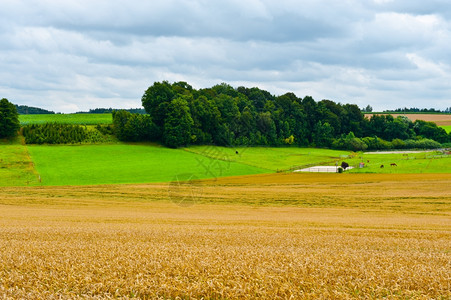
[[75, 55]]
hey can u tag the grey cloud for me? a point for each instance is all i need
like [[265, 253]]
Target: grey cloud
[[85, 54], [247, 20]]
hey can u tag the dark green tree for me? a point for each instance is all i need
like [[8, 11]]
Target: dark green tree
[[206, 117], [367, 109], [134, 127], [178, 124], [156, 100], [430, 130], [398, 129], [120, 119], [9, 119], [323, 134]]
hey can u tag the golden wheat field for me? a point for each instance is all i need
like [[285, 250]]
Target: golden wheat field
[[282, 236], [439, 119]]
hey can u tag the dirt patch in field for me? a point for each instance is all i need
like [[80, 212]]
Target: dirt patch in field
[[439, 119]]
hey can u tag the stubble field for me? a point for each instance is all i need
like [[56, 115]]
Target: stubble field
[[265, 236], [439, 119]]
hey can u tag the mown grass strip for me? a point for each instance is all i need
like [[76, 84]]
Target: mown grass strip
[[16, 167]]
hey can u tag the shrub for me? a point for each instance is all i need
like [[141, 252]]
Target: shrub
[[54, 133], [398, 144]]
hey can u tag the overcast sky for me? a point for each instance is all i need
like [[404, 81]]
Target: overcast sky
[[74, 55]]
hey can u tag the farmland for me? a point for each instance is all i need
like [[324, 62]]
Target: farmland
[[126, 163], [416, 162], [289, 159], [271, 158], [138, 220], [265, 236], [16, 166], [439, 119], [142, 163]]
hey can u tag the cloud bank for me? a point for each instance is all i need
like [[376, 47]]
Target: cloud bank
[[72, 55]]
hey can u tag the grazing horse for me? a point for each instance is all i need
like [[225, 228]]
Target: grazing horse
[[344, 165], [382, 166], [393, 165]]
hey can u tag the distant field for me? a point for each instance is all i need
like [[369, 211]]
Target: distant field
[[447, 128], [126, 163], [273, 236], [80, 119], [439, 119]]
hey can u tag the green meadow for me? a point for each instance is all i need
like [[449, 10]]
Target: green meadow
[[22, 165], [447, 128], [79, 119], [127, 163], [274, 159], [288, 159], [419, 162]]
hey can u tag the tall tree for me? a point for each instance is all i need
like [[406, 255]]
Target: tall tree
[[156, 100], [178, 124], [9, 119], [323, 134]]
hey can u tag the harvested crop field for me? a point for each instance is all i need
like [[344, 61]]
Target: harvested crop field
[[265, 236], [439, 119]]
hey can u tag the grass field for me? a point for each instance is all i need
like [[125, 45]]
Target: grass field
[[126, 163], [447, 128], [80, 119], [289, 159], [142, 163], [422, 162], [311, 236], [16, 167], [272, 158]]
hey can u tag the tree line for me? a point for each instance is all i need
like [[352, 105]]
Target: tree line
[[111, 110], [420, 110], [30, 110], [179, 115]]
